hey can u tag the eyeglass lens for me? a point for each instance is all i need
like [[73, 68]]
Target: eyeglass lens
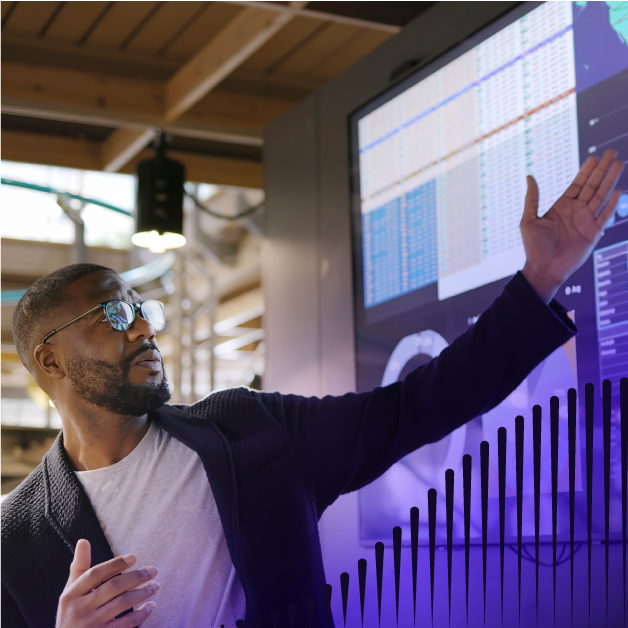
[[153, 312], [121, 314]]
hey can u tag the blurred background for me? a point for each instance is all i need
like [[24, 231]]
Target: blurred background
[[86, 89]]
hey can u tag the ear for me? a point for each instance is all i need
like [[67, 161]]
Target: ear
[[47, 361]]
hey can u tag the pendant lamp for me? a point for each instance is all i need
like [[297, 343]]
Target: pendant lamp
[[159, 218]]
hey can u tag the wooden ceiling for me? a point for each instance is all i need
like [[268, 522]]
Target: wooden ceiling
[[86, 84]]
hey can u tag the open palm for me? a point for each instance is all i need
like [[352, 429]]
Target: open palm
[[560, 241]]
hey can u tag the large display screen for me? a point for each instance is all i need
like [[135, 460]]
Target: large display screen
[[439, 165]]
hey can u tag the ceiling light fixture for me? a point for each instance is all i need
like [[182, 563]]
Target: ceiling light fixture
[[159, 218]]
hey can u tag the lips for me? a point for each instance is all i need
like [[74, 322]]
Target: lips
[[150, 358]]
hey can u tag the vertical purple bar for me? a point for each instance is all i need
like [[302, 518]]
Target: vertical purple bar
[[362, 584], [449, 506], [431, 507], [572, 401], [554, 408], [519, 461], [606, 425], [379, 569], [484, 474], [397, 561], [466, 480], [501, 455], [414, 533], [536, 434], [344, 587], [588, 403]]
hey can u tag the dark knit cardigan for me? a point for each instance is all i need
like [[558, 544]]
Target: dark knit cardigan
[[276, 462]]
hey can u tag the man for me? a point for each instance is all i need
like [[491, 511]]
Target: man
[[223, 497]]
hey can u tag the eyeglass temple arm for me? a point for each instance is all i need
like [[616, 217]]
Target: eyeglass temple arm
[[54, 331]]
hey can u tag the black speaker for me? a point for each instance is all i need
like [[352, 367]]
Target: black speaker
[[160, 195]]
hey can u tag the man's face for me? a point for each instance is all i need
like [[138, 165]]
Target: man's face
[[121, 372]]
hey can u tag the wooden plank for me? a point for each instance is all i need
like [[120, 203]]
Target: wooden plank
[[298, 86], [210, 22], [50, 150], [74, 20], [315, 14], [345, 56], [29, 18], [103, 100], [119, 23], [94, 92], [5, 5], [244, 111], [46, 52], [210, 169], [122, 145], [230, 48], [85, 155], [29, 259], [163, 26], [320, 47], [68, 99], [281, 45]]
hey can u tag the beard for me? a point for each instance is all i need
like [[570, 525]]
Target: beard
[[107, 385]]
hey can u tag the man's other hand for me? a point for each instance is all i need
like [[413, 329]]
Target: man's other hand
[[560, 241], [94, 596]]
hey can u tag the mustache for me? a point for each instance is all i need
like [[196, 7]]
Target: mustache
[[147, 347]]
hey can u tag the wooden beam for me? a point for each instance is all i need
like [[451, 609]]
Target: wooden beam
[[49, 52], [51, 150], [87, 155], [104, 100], [122, 145], [87, 91], [250, 30], [244, 35], [28, 260], [210, 169], [321, 15]]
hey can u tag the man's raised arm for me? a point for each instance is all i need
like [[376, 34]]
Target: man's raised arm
[[346, 442]]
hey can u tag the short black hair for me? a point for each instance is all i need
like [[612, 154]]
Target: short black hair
[[41, 300]]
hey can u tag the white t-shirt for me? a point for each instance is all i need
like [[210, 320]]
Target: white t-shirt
[[157, 504]]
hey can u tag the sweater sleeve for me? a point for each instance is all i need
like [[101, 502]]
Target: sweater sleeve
[[11, 615], [346, 442]]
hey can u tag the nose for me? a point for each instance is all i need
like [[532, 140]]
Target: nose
[[140, 328]]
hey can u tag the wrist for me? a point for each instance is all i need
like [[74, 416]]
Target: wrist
[[544, 285]]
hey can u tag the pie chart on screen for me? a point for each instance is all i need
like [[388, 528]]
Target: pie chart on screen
[[428, 463]]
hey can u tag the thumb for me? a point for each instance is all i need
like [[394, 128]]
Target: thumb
[[82, 561], [531, 205]]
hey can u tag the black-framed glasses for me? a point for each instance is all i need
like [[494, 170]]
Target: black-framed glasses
[[121, 315]]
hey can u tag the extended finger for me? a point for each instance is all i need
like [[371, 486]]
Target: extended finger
[[531, 205], [99, 573], [593, 182], [81, 562], [581, 178], [608, 210], [121, 583], [125, 601], [135, 618], [606, 187]]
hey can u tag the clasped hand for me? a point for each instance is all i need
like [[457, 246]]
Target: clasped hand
[[94, 596]]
